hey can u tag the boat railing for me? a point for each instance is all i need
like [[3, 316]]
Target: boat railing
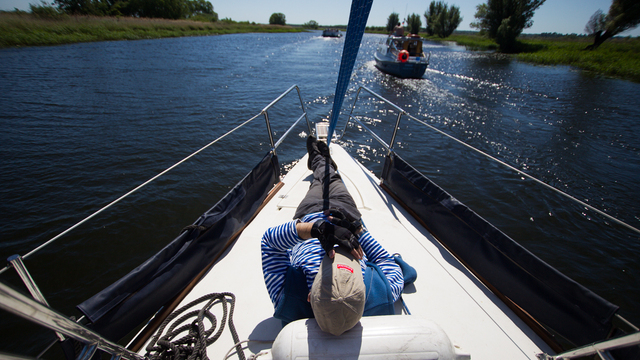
[[596, 349], [21, 305], [40, 311], [600, 348], [402, 112]]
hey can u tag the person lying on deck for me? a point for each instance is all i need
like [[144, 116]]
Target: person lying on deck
[[324, 263]]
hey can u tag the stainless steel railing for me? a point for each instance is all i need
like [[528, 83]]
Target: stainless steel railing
[[264, 112], [401, 112], [600, 348], [266, 117], [39, 311], [21, 305]]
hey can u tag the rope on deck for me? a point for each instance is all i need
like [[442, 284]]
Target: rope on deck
[[194, 344]]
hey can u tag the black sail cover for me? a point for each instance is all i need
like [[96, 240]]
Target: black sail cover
[[553, 299], [130, 301]]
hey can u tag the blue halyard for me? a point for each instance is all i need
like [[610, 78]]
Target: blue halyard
[[357, 22]]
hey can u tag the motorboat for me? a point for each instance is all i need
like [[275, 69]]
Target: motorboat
[[331, 33], [478, 294], [402, 56]]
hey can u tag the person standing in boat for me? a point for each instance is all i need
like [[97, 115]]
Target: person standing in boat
[[398, 30], [318, 264]]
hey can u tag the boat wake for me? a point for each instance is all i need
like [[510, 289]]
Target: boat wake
[[485, 83]]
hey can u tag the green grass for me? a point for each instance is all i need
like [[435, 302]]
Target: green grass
[[24, 29], [618, 57], [471, 42]]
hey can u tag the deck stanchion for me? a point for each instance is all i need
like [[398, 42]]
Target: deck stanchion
[[395, 131], [21, 269], [21, 305], [266, 118]]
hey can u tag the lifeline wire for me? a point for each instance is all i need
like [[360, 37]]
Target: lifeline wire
[[527, 175], [131, 192], [403, 112]]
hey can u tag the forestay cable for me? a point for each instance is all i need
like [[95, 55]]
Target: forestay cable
[[355, 29]]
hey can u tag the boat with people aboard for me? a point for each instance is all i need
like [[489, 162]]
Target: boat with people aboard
[[332, 32], [468, 290], [402, 56]]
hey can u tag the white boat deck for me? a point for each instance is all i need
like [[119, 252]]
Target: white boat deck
[[444, 292]]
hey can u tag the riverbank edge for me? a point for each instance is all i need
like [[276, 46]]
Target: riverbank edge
[[617, 58], [20, 30]]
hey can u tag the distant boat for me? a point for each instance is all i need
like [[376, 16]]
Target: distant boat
[[331, 33], [402, 56]]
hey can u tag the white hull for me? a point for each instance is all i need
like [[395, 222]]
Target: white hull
[[445, 292]]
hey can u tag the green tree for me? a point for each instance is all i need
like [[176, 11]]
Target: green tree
[[597, 23], [392, 21], [277, 19], [83, 7], [441, 19], [118, 7], [623, 15], [504, 20], [45, 10], [197, 7], [428, 18], [414, 23], [311, 25], [201, 10], [166, 9]]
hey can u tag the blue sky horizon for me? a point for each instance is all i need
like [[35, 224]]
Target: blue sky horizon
[[554, 16]]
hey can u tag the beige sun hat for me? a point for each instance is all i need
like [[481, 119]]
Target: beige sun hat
[[338, 293]]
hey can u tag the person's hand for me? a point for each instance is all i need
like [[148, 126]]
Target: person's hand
[[338, 218], [330, 234]]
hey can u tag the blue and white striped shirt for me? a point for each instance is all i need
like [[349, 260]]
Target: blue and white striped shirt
[[281, 247]]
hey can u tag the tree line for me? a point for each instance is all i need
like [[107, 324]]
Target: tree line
[[623, 15], [440, 19], [166, 9], [504, 20]]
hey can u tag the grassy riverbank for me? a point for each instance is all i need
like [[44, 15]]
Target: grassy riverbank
[[618, 57], [23, 29]]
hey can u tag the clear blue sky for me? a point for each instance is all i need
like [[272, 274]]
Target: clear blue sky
[[561, 16]]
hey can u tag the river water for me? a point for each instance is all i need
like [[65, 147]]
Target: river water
[[83, 124]]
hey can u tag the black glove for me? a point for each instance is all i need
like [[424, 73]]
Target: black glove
[[338, 218], [329, 235]]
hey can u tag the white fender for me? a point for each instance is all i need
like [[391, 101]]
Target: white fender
[[374, 337]]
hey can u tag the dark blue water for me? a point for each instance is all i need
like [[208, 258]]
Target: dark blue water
[[83, 124]]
